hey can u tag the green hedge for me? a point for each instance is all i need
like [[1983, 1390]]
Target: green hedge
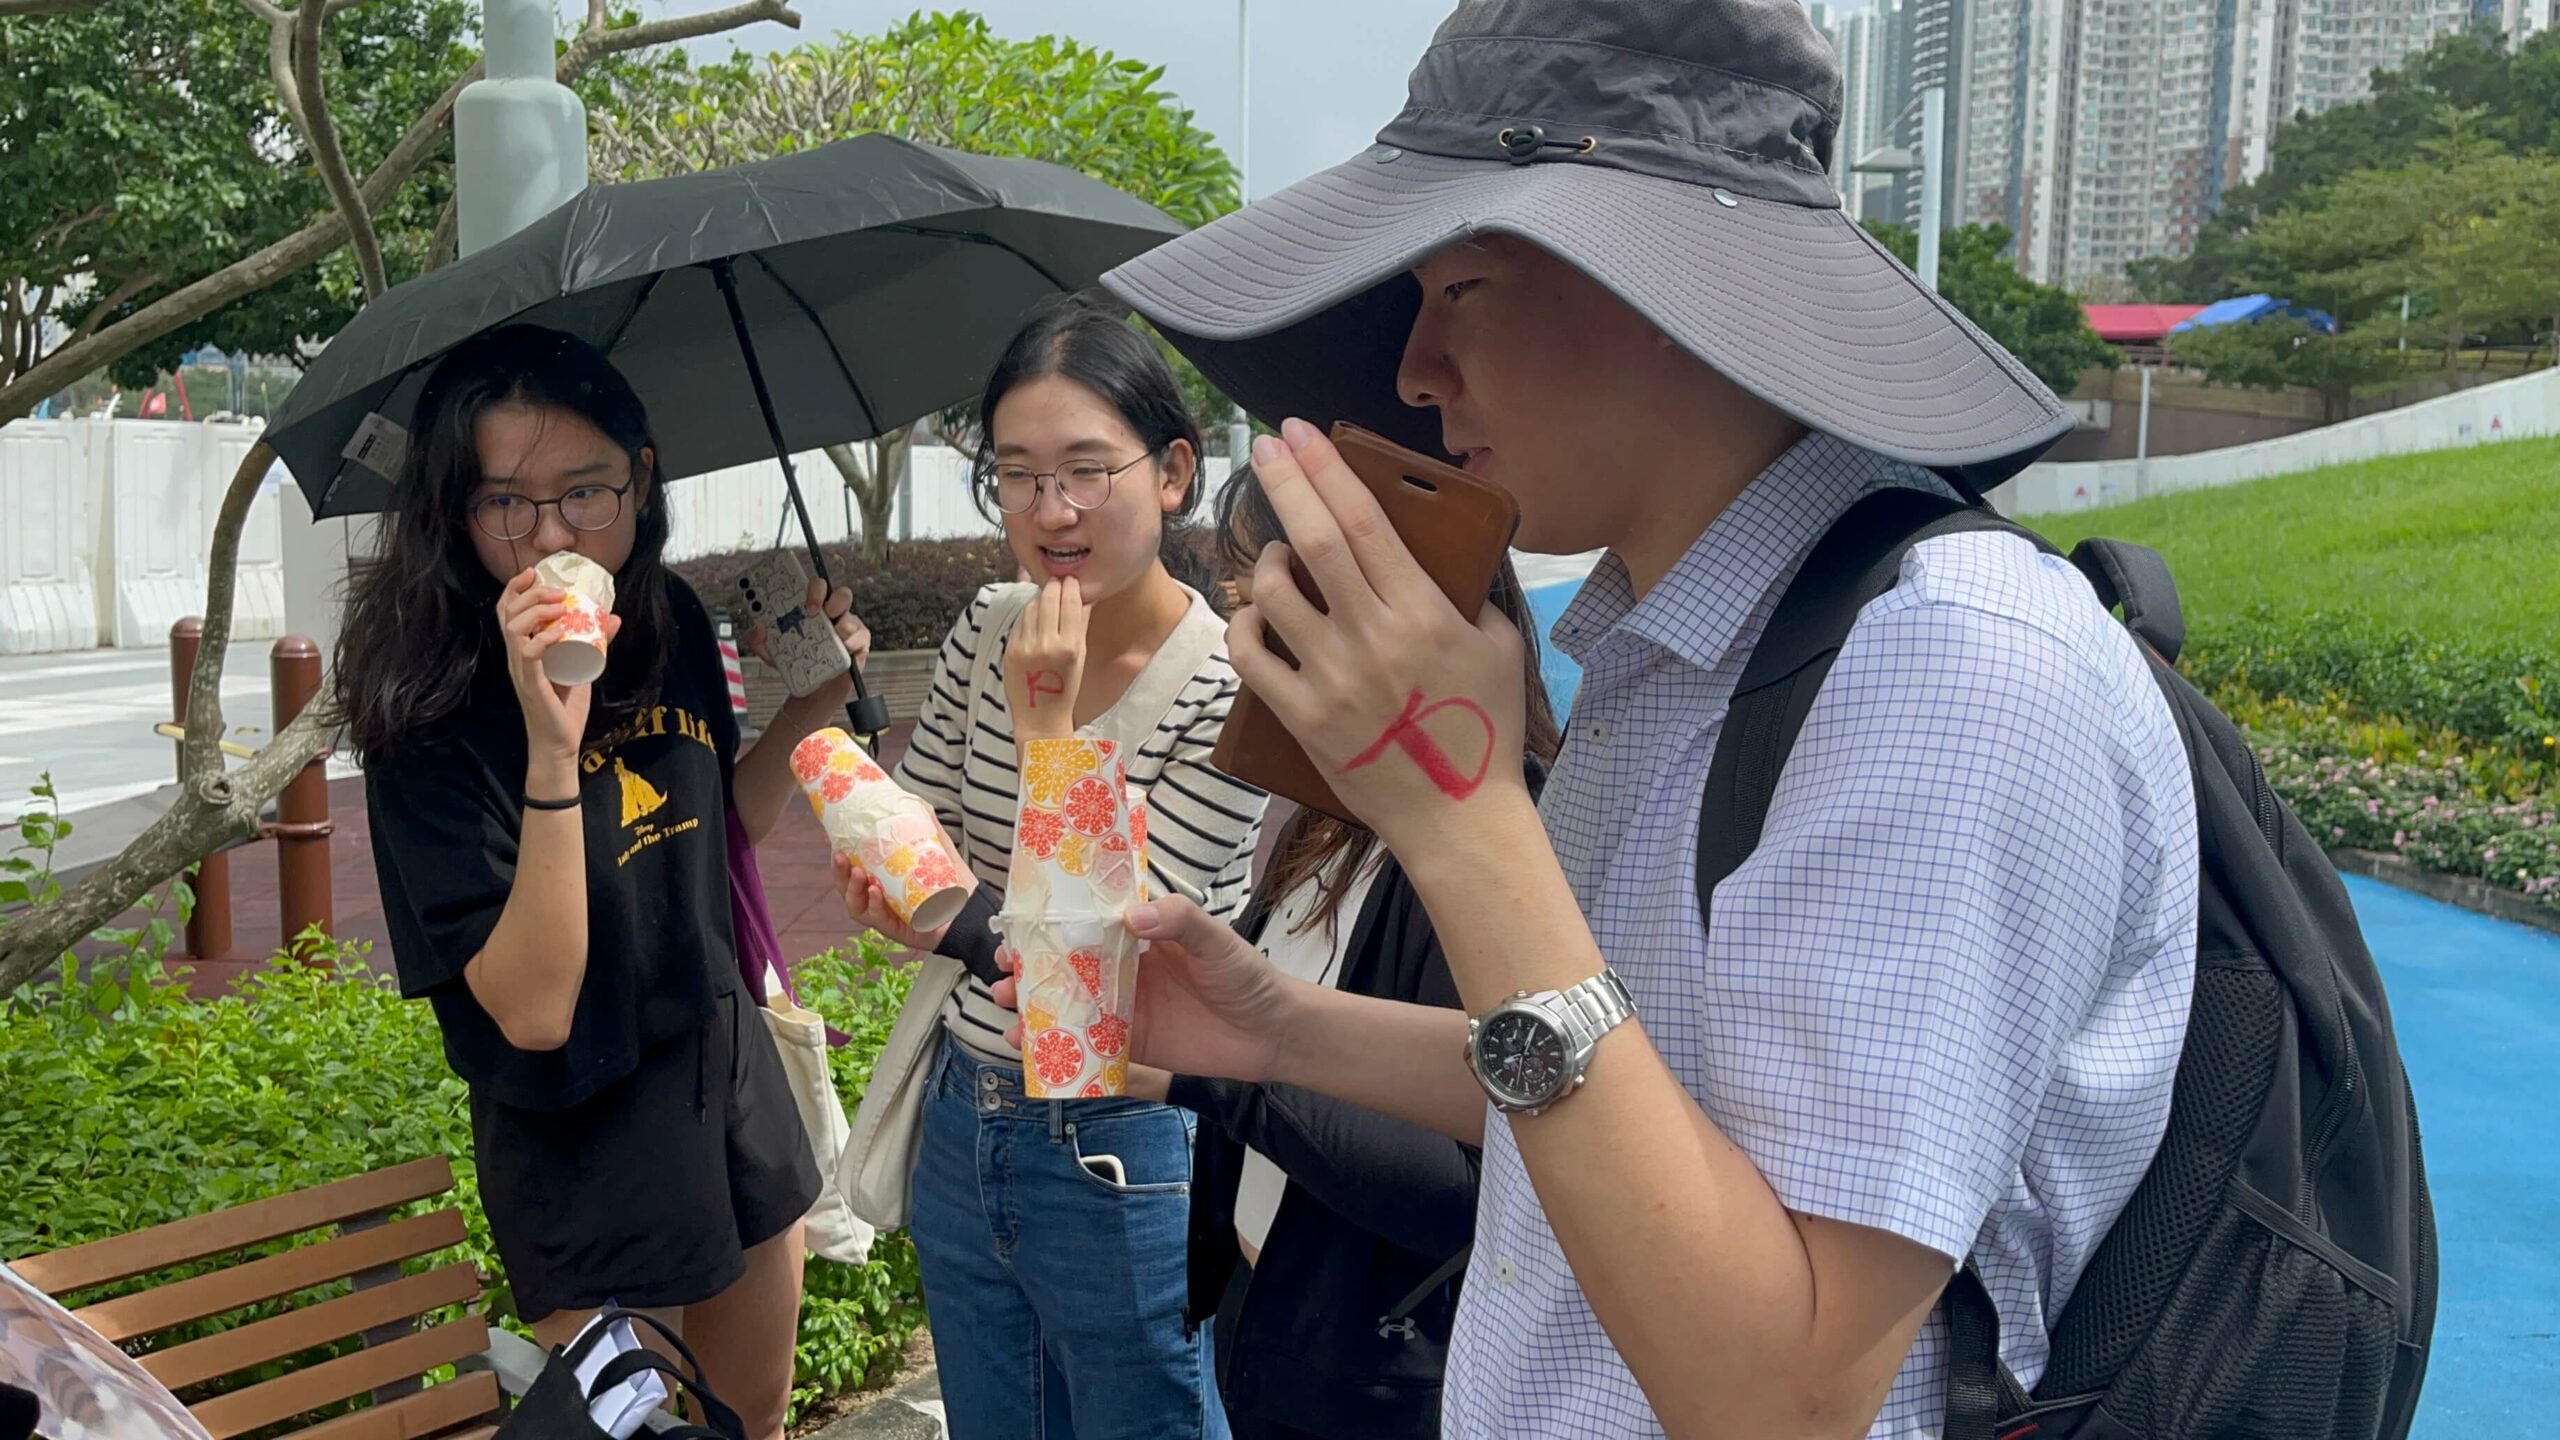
[[2500, 698], [124, 1104], [910, 602], [2428, 797]]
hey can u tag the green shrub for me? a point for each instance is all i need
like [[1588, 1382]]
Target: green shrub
[[909, 603], [2378, 785], [124, 1104], [2499, 698]]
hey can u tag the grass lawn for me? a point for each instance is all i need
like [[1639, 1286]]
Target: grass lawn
[[2463, 544]]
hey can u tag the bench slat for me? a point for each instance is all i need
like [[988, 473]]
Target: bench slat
[[330, 1381], [429, 1412], [157, 1309], [290, 1334], [121, 1257]]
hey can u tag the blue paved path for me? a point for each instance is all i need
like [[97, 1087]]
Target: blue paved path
[[2477, 1005]]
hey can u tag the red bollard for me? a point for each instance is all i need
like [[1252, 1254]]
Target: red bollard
[[209, 927], [302, 825]]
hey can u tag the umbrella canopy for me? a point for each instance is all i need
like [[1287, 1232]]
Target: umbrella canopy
[[878, 278]]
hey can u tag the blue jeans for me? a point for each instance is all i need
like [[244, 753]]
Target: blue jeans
[[1055, 1294]]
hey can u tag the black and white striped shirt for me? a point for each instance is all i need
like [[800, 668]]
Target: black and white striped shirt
[[1201, 826]]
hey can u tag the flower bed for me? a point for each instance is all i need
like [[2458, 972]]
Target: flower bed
[[2426, 797]]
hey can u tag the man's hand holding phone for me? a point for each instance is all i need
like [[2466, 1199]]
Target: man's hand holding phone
[[1409, 709]]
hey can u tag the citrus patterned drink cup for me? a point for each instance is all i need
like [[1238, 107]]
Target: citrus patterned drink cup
[[1077, 867], [892, 835], [576, 656]]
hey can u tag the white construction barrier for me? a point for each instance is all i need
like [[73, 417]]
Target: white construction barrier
[[257, 601], [47, 599], [151, 557], [2508, 410]]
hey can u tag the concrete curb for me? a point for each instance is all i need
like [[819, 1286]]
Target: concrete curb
[[913, 1411], [2461, 891]]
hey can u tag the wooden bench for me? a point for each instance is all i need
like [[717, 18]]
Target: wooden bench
[[385, 1308]]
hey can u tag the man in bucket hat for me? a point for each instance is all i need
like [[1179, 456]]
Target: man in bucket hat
[[1937, 1014]]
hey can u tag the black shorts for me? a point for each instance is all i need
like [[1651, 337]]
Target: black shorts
[[650, 1192]]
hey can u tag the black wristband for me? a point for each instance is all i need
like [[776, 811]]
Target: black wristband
[[572, 803]]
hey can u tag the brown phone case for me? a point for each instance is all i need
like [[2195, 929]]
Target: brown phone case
[[1457, 526]]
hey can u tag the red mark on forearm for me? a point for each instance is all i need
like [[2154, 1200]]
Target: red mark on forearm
[[1405, 733], [1042, 682]]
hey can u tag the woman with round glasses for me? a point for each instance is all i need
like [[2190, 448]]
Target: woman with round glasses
[[554, 864], [1051, 1234]]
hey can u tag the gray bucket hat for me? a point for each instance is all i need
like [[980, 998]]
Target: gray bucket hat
[[1675, 151]]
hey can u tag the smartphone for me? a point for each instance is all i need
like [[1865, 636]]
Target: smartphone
[[1458, 527], [1107, 1168]]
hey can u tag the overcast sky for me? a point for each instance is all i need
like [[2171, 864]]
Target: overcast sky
[[1326, 73]]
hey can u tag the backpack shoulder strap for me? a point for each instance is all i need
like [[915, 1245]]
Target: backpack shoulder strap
[[1858, 560]]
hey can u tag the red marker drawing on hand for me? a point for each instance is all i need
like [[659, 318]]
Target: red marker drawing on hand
[[1042, 682], [1405, 733]]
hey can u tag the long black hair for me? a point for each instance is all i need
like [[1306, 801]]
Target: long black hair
[[1080, 337], [421, 614], [1315, 845]]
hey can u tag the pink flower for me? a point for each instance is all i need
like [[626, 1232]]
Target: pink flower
[[2373, 807], [2489, 854], [2337, 831], [2399, 839]]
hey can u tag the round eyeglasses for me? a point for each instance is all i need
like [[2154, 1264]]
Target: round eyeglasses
[[1083, 484], [516, 517]]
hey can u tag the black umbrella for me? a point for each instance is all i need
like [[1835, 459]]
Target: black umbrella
[[830, 295]]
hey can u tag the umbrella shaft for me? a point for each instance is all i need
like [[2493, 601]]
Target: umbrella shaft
[[726, 277], [869, 712]]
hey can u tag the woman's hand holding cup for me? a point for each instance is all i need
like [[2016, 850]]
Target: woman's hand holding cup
[[555, 716]]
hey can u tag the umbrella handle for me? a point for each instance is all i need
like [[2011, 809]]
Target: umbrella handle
[[868, 712]]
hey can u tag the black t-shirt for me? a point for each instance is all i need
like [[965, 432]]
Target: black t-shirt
[[448, 810]]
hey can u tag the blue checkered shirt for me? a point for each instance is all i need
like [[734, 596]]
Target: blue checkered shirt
[[1944, 998]]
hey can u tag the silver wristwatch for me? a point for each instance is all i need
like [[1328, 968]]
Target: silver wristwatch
[[1531, 1051]]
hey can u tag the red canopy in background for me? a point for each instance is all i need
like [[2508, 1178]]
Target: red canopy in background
[[2136, 324]]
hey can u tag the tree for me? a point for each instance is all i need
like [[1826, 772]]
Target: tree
[[2471, 79], [214, 806], [2463, 230], [158, 165], [2281, 354], [944, 80], [2040, 324]]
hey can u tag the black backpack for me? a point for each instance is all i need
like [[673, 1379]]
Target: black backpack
[[2274, 1273]]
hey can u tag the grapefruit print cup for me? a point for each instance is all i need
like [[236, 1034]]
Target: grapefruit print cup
[[576, 656], [1075, 870], [891, 834]]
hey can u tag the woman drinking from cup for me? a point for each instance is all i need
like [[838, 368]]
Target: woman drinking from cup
[[554, 861], [1050, 1232]]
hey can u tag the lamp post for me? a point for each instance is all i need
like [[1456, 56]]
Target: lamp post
[[1240, 429], [1926, 163], [519, 136]]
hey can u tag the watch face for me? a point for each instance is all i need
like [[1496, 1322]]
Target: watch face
[[1524, 1057]]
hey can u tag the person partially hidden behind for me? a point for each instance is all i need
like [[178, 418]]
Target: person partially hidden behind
[[1727, 1171]]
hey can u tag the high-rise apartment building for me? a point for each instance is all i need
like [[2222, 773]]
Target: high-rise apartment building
[[2107, 131], [1861, 43]]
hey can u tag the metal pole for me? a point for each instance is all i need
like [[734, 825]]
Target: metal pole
[[302, 826], [2404, 321], [2142, 436], [1239, 427], [1933, 149], [209, 925], [519, 136]]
